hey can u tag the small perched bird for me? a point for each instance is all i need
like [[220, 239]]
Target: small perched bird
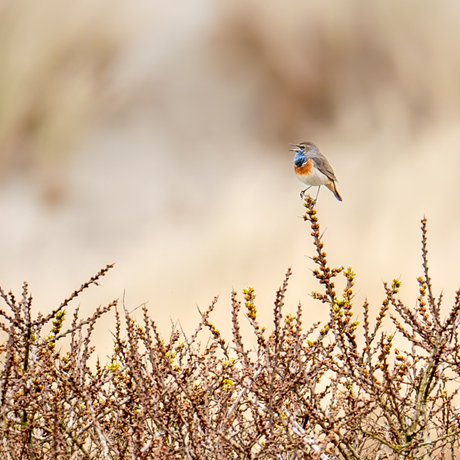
[[312, 168]]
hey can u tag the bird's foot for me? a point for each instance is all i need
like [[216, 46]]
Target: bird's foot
[[302, 193]]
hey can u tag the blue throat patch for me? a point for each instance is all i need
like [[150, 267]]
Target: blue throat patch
[[300, 158]]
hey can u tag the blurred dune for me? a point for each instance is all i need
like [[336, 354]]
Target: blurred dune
[[156, 136]]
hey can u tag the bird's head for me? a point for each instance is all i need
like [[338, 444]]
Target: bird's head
[[304, 147], [302, 150]]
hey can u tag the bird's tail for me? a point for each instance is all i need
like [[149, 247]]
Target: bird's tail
[[333, 188]]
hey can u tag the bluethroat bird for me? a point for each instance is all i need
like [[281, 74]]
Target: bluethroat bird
[[312, 168]]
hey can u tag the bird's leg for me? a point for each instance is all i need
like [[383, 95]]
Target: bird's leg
[[317, 193], [302, 193]]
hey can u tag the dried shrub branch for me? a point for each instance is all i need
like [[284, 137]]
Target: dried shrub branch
[[342, 390]]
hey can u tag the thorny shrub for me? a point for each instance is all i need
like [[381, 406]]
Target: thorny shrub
[[338, 391]]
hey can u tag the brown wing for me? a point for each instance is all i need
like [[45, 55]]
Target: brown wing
[[323, 165]]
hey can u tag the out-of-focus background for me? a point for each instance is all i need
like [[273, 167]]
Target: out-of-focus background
[[156, 135]]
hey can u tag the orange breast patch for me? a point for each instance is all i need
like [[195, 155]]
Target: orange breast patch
[[305, 169]]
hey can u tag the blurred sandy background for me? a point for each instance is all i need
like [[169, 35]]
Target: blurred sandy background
[[156, 135]]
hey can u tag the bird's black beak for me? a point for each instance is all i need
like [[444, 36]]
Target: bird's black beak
[[297, 147]]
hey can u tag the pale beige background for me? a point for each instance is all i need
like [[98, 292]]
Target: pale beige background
[[156, 135]]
